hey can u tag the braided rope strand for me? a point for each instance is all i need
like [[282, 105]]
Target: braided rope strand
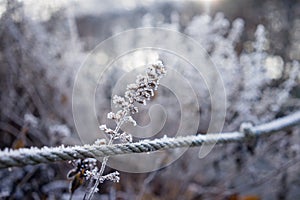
[[33, 156]]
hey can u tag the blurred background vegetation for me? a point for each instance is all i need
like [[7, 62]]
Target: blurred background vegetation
[[257, 43]]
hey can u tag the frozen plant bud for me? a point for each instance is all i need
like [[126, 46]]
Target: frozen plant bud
[[103, 127], [110, 131], [125, 137], [131, 120], [100, 142], [120, 114], [132, 86], [141, 80], [89, 163], [92, 174], [133, 109], [114, 177], [160, 69], [107, 130], [119, 101], [111, 115]]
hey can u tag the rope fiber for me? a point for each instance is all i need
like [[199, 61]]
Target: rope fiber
[[33, 156]]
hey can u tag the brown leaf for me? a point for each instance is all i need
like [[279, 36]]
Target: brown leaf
[[249, 197], [19, 143], [76, 182]]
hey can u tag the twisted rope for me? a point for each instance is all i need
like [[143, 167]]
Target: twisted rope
[[33, 156]]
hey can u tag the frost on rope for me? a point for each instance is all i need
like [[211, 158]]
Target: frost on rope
[[10, 158]]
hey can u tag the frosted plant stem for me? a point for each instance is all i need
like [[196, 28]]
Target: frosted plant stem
[[104, 162], [103, 165]]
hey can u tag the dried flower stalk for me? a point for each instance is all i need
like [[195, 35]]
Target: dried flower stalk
[[139, 92]]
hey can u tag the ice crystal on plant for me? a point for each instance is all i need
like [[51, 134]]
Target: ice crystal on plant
[[83, 169], [101, 141], [114, 177]]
